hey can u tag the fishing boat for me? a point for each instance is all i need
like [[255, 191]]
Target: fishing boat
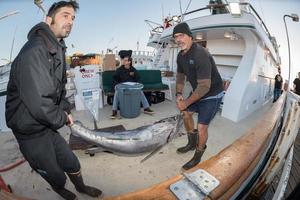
[[247, 58], [250, 140], [4, 76]]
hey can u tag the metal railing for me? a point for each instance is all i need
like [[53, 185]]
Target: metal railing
[[212, 7]]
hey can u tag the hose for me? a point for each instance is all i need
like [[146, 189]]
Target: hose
[[13, 165]]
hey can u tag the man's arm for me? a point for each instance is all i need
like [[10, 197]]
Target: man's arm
[[202, 88], [115, 80], [180, 77], [204, 67], [64, 103]]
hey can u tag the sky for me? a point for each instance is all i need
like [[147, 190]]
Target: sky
[[102, 24]]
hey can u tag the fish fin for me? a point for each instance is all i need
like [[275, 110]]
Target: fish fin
[[94, 150], [95, 124], [158, 148], [151, 154]]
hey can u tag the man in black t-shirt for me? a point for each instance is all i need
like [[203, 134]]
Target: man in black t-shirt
[[297, 84], [127, 73], [277, 86], [196, 65]]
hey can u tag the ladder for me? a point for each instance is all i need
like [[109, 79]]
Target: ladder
[[159, 52]]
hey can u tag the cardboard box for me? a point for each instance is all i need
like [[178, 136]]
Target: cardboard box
[[109, 62]]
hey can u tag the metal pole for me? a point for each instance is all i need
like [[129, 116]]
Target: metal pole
[[9, 14], [295, 18], [288, 42]]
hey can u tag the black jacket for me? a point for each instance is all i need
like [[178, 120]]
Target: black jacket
[[36, 88], [122, 75]]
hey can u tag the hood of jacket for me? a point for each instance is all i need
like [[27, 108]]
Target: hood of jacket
[[43, 30]]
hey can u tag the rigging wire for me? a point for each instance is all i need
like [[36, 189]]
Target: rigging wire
[[180, 10], [261, 10], [187, 6]]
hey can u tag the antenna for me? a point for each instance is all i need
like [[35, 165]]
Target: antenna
[[110, 41], [162, 11], [138, 45], [12, 45], [108, 44]]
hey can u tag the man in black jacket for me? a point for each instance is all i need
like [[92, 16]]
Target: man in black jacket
[[36, 106], [127, 73]]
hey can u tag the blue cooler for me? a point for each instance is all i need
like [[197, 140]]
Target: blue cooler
[[129, 99]]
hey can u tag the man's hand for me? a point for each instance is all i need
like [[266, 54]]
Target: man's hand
[[179, 98], [131, 73], [70, 120], [181, 105]]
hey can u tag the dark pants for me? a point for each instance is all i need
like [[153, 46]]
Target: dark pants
[[277, 93], [50, 156]]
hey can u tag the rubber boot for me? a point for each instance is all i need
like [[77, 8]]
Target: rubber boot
[[64, 193], [192, 142], [195, 160], [82, 188]]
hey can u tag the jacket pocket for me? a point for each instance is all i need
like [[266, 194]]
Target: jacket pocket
[[26, 123]]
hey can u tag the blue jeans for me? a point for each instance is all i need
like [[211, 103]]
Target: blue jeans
[[277, 93], [117, 100]]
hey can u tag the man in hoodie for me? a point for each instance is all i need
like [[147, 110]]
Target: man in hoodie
[[196, 65], [36, 106]]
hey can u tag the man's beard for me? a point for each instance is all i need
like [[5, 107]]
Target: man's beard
[[66, 33]]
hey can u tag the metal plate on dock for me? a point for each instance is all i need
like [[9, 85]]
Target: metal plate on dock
[[194, 186]]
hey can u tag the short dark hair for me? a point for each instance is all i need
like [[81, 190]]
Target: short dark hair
[[56, 6]]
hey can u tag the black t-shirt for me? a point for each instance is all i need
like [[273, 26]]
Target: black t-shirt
[[125, 75], [297, 83], [278, 81], [198, 64]]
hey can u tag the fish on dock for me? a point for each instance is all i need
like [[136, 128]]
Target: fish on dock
[[133, 142]]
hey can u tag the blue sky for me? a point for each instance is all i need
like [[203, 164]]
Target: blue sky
[[102, 24]]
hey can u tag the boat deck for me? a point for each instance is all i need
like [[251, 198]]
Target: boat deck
[[118, 174]]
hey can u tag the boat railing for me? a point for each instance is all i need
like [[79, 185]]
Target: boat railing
[[248, 8], [223, 8], [283, 143]]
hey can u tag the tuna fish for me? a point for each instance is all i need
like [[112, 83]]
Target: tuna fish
[[133, 142]]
